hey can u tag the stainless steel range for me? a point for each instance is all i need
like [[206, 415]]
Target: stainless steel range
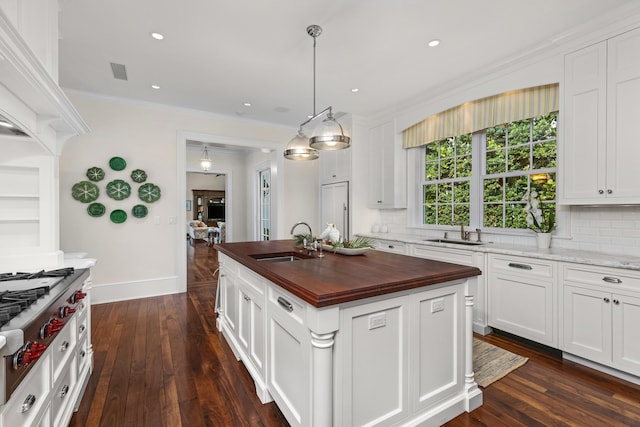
[[36, 309]]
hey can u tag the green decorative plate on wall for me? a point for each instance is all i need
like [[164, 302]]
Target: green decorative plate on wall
[[118, 216], [149, 193], [85, 191], [139, 211], [118, 189], [117, 163], [139, 176], [95, 174], [96, 209]]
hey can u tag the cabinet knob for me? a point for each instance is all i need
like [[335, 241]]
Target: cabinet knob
[[391, 247], [601, 191], [246, 298], [379, 201], [609, 191], [616, 302], [606, 299]]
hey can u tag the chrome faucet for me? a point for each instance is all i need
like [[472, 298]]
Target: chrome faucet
[[305, 244], [464, 235]]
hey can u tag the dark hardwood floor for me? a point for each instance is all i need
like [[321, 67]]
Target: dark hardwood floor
[[161, 362]]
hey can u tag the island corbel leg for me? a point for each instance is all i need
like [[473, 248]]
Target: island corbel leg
[[474, 395], [322, 379]]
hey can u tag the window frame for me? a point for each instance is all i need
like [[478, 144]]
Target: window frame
[[416, 180]]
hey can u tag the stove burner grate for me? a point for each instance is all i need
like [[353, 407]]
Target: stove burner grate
[[61, 272], [13, 302]]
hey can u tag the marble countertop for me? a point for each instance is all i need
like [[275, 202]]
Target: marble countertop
[[555, 254]]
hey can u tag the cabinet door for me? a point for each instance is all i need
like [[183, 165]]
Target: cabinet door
[[229, 300], [522, 306], [335, 207], [288, 345], [587, 323], [583, 150], [386, 168], [623, 92], [244, 320], [335, 165], [626, 334]]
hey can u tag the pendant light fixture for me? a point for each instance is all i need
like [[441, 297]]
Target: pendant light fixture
[[205, 162], [329, 135]]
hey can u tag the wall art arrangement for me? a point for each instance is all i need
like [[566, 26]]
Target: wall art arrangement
[[118, 191]]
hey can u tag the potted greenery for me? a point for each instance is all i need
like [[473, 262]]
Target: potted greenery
[[540, 219]]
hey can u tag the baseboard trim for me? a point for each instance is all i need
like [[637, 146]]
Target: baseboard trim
[[135, 289], [602, 368]]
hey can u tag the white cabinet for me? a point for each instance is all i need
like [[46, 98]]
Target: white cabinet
[[601, 314], [463, 257], [334, 206], [387, 166], [251, 327], [523, 297], [599, 150], [335, 165], [289, 349], [391, 246]]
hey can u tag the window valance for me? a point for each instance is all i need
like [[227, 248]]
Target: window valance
[[483, 113]]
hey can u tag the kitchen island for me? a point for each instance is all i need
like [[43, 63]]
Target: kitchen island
[[374, 339]]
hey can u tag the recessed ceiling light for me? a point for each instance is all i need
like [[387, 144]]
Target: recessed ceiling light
[[434, 43], [355, 89], [157, 36], [155, 86], [247, 104]]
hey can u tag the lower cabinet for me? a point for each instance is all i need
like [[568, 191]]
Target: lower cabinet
[[392, 246], [401, 358], [523, 297], [463, 257], [289, 350], [601, 314]]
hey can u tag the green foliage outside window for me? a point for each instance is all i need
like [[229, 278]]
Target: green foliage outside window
[[518, 157]]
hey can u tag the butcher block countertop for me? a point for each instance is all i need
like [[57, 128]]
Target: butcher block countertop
[[338, 278]]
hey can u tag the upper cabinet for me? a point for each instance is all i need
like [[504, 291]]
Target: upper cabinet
[[387, 168], [335, 166], [598, 154]]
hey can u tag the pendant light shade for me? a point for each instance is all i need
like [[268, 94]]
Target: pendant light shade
[[205, 162], [298, 148], [329, 135]]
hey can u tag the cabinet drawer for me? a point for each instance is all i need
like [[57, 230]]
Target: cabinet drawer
[[601, 276], [286, 304], [228, 264], [445, 254], [391, 246], [31, 395], [61, 395], [520, 266], [63, 346]]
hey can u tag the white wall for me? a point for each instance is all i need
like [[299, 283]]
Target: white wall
[[139, 257]]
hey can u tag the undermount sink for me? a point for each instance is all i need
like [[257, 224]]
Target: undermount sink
[[455, 242], [280, 257]]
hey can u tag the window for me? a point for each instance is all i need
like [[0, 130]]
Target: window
[[514, 158], [264, 208]]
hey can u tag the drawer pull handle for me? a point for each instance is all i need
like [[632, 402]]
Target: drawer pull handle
[[64, 346], [64, 391], [28, 403], [610, 279], [520, 266], [391, 247], [285, 304]]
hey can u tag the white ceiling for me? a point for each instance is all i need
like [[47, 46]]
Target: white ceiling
[[216, 55]]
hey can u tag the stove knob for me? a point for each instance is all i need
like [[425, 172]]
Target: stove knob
[[65, 311], [28, 353], [55, 325], [77, 296]]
